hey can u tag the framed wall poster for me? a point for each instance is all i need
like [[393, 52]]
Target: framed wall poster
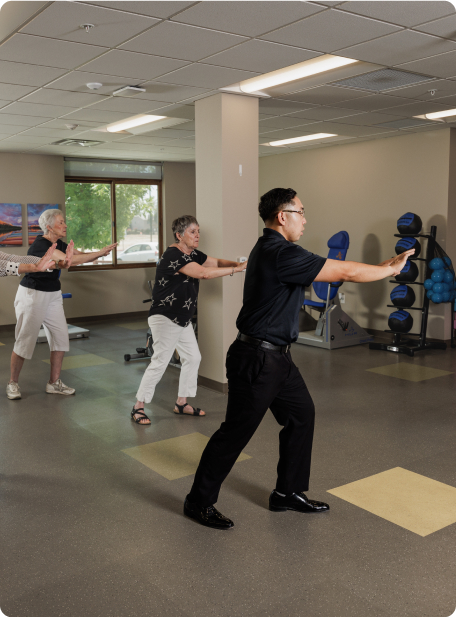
[[10, 225], [34, 211]]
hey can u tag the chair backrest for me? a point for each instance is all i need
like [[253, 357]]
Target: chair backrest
[[338, 246]]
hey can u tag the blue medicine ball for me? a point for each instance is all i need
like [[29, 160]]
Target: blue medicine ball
[[446, 296], [429, 294], [448, 276], [405, 244], [437, 298], [438, 288], [445, 287], [400, 321], [436, 264], [409, 223], [447, 262], [402, 295], [408, 274], [428, 284], [437, 276]]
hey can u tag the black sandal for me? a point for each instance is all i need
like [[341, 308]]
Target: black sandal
[[142, 416], [196, 412]]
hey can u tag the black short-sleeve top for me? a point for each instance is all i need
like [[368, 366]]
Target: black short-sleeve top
[[277, 273], [174, 294], [43, 281]]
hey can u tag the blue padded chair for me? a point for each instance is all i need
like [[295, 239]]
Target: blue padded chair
[[338, 246]]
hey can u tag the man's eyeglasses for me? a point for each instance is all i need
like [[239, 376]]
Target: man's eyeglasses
[[301, 212]]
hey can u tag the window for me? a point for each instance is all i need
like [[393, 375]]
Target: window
[[103, 211]]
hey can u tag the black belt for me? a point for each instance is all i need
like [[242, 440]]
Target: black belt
[[263, 344]]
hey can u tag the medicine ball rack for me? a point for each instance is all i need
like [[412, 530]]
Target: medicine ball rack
[[401, 343]]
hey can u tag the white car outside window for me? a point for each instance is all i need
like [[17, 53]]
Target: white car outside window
[[146, 251]]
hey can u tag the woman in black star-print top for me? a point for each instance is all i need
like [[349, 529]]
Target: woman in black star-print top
[[174, 299]]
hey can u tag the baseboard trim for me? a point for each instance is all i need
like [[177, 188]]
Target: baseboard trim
[[211, 384]]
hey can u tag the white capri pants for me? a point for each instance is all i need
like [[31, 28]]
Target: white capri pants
[[168, 336], [35, 309]]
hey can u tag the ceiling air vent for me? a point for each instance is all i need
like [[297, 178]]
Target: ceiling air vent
[[384, 79], [85, 143], [128, 91]]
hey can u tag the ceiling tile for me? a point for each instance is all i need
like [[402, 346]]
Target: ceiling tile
[[182, 41], [63, 21], [60, 123], [330, 30], [280, 122], [170, 133], [11, 92], [404, 13], [179, 111], [418, 108], [35, 109], [324, 113], [90, 113], [95, 135], [185, 126], [4, 103], [49, 96], [261, 56], [445, 27], [18, 120], [244, 17], [168, 93], [77, 81], [47, 52], [207, 76], [27, 74], [325, 95], [11, 129], [28, 140], [367, 119], [132, 66], [339, 128], [55, 134], [443, 65], [153, 9], [422, 92], [280, 108], [399, 48], [128, 105], [148, 141], [271, 135], [446, 100], [374, 102]]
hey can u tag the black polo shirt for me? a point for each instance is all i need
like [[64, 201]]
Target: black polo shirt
[[277, 274]]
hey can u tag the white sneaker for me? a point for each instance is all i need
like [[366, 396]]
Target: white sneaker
[[58, 387], [13, 391]]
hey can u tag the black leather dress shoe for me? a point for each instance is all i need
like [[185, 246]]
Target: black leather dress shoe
[[210, 517], [295, 501]]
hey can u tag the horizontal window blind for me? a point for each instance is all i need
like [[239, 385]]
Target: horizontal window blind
[[99, 168]]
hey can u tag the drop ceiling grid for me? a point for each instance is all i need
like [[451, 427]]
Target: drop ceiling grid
[[207, 80]]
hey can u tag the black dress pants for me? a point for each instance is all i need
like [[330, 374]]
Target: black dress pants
[[258, 380]]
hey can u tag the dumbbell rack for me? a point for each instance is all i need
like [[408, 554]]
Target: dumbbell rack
[[402, 343]]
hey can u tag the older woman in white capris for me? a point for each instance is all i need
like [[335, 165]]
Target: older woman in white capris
[[39, 302], [174, 299]]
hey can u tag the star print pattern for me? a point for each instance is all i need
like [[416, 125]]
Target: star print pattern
[[171, 297]]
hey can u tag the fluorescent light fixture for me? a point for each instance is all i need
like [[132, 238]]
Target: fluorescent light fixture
[[296, 140], [294, 72], [436, 115], [124, 125]]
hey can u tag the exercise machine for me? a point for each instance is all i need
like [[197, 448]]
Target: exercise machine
[[334, 328], [74, 332]]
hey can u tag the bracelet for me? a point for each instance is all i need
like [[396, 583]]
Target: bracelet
[[232, 271]]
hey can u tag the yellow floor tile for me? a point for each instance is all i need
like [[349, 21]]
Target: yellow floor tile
[[1, 344], [134, 325], [409, 371], [82, 360], [405, 498], [173, 458]]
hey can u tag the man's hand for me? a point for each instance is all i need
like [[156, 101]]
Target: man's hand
[[398, 263], [46, 262]]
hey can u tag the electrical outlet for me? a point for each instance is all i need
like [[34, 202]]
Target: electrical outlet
[[241, 259], [342, 297]]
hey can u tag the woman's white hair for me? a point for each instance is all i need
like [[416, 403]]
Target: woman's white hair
[[47, 219]]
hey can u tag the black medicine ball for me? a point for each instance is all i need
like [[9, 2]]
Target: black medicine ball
[[409, 223], [400, 321], [402, 295], [405, 244], [409, 273]]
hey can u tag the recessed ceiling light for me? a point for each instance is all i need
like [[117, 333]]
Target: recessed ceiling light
[[321, 64], [124, 125], [296, 140]]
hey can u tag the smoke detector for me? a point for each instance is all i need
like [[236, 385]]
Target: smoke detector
[[129, 91], [87, 27], [85, 143], [71, 127], [94, 85]]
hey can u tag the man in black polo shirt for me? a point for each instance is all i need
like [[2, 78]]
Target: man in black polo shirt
[[259, 368]]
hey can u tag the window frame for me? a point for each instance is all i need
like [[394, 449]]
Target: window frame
[[113, 182]]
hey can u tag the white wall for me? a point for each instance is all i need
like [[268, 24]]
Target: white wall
[[363, 188]]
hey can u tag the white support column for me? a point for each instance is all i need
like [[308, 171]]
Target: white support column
[[227, 211]]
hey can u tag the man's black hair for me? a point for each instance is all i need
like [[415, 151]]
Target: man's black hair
[[274, 201]]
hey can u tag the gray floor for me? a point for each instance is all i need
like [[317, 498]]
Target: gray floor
[[87, 530]]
